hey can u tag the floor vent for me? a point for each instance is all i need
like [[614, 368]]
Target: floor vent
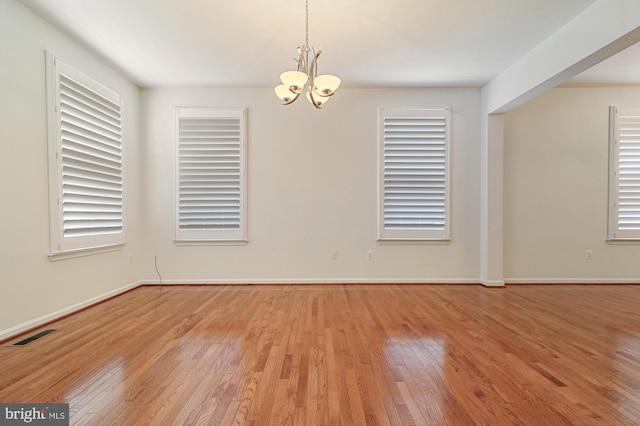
[[34, 337]]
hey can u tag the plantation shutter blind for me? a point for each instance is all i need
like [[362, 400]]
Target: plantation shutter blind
[[210, 162], [88, 153], [625, 153], [414, 174]]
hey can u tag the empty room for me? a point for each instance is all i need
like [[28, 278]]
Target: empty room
[[320, 212]]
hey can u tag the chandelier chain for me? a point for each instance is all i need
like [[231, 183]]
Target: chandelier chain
[[306, 12]]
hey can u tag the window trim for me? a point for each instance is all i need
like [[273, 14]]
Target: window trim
[[414, 236], [615, 235], [211, 237], [61, 247]]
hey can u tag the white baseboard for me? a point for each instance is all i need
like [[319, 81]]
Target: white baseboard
[[20, 328], [315, 281], [492, 283], [572, 281], [453, 281]]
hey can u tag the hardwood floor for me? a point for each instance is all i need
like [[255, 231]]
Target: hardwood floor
[[329, 355]]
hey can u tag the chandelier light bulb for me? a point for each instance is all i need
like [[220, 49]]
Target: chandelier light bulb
[[326, 85], [294, 80], [317, 100], [285, 95]]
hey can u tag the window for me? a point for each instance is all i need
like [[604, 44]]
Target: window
[[85, 161], [413, 174], [624, 174], [210, 162]]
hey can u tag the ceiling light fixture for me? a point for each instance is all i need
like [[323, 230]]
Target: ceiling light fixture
[[319, 88]]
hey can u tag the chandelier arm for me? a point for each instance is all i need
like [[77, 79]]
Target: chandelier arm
[[313, 100], [297, 95], [305, 60], [313, 72], [300, 60]]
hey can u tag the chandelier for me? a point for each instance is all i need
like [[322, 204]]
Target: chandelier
[[318, 88]]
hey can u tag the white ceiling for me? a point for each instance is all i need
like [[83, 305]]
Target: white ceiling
[[367, 43]]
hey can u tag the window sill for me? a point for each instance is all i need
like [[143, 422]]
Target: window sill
[[624, 241], [392, 241], [211, 242], [72, 254]]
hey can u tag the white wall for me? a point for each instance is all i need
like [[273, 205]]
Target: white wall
[[32, 288], [556, 189], [311, 189]]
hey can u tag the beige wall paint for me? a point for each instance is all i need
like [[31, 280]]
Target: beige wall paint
[[556, 189], [32, 288], [312, 189]]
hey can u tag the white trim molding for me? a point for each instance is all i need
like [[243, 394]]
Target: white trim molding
[[492, 283], [618, 281], [270, 281]]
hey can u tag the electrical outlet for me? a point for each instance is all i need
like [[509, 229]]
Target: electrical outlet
[[334, 254], [588, 255], [369, 254]]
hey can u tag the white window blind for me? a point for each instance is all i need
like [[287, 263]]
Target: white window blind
[[624, 191], [210, 174], [414, 175], [86, 182]]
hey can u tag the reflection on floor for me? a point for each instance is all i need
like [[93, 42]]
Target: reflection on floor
[[324, 355]]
